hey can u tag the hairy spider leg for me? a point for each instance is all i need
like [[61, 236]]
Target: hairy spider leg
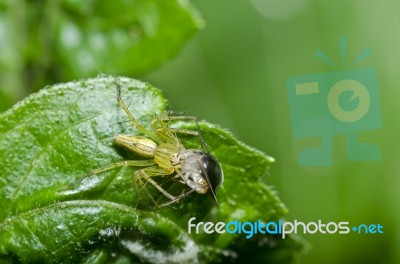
[[147, 173], [141, 183], [158, 123], [124, 163], [166, 118], [168, 134], [178, 130], [203, 144], [134, 122], [177, 198]]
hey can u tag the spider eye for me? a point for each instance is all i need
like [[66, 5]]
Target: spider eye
[[213, 170]]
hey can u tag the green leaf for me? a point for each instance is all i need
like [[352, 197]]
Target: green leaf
[[52, 139], [125, 37], [66, 231], [42, 42]]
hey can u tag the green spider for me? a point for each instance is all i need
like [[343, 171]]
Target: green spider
[[167, 156]]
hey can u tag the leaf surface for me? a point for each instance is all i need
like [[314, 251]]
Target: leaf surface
[[50, 212]]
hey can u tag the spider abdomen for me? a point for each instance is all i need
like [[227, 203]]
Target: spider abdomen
[[143, 146]]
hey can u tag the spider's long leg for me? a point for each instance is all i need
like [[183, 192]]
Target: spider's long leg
[[141, 183], [165, 118], [132, 119], [147, 173], [178, 130], [171, 118], [128, 163], [168, 133], [124, 163], [77, 187], [164, 131], [160, 125], [177, 198]]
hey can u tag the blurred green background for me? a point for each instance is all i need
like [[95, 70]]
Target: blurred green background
[[233, 72]]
